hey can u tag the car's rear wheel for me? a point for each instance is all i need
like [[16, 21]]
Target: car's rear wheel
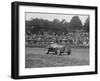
[[68, 53]]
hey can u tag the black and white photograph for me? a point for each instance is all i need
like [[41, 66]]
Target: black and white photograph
[[53, 40], [50, 40]]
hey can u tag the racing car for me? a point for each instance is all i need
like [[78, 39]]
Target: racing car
[[57, 49]]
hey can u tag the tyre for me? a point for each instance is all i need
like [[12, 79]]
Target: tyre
[[56, 52], [68, 53]]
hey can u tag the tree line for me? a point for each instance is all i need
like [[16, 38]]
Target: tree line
[[37, 25]]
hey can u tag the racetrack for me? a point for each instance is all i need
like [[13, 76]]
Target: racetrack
[[36, 57]]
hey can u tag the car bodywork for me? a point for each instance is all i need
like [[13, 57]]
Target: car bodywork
[[56, 48]]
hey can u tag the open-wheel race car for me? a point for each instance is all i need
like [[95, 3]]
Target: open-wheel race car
[[58, 49]]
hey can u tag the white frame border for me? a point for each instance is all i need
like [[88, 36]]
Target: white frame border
[[53, 70]]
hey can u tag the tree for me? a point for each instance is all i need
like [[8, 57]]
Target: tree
[[37, 25], [63, 21], [86, 25], [56, 21], [75, 24]]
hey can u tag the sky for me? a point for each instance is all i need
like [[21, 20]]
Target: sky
[[51, 17]]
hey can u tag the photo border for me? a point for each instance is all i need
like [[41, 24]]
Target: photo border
[[15, 39]]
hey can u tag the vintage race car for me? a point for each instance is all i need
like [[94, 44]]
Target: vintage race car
[[57, 49]]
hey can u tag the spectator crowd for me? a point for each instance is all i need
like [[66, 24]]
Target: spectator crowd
[[77, 38]]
